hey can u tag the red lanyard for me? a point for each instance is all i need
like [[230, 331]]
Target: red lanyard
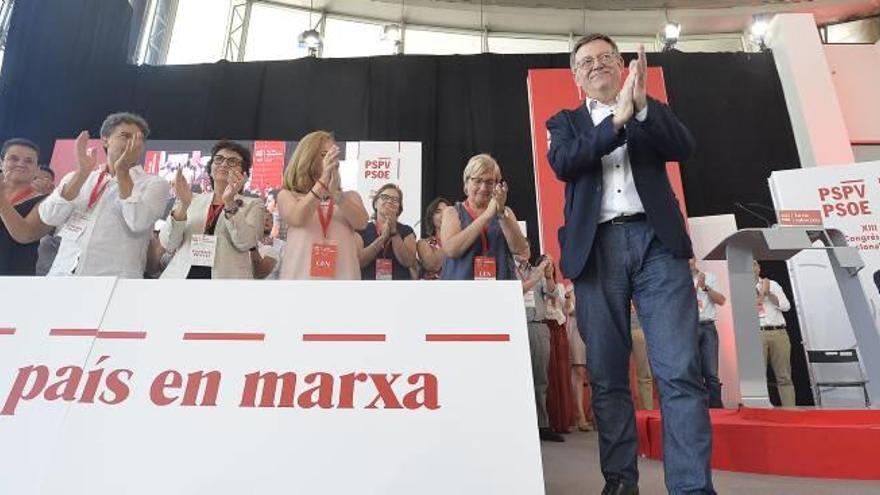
[[484, 232], [213, 215], [99, 188], [21, 196], [325, 216], [384, 252]]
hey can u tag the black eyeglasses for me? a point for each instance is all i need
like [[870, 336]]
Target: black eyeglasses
[[490, 183], [227, 161], [389, 198], [588, 62]]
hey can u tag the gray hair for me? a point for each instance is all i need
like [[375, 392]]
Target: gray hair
[[588, 39], [116, 119]]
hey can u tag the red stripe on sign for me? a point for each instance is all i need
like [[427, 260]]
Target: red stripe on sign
[[121, 334], [237, 336], [7, 331], [852, 181], [344, 337], [467, 337], [73, 332]]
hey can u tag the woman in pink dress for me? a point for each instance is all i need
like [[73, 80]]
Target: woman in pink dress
[[322, 218]]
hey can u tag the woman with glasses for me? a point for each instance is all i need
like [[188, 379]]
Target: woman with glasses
[[481, 234], [211, 233], [429, 248], [322, 219], [387, 248]]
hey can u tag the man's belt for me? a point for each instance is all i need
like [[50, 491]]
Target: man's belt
[[637, 217], [773, 327]]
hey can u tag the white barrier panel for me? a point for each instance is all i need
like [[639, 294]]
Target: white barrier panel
[[42, 323], [385, 388]]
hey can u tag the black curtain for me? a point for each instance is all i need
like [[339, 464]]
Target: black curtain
[[63, 65], [66, 68]]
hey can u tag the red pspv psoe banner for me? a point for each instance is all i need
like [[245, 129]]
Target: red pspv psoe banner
[[268, 167], [552, 90]]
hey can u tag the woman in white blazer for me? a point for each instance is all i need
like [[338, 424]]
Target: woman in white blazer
[[212, 233]]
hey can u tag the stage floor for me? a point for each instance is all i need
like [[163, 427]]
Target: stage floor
[[572, 468]]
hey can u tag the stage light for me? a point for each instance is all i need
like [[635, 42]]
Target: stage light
[[759, 31], [672, 31], [669, 36], [392, 33], [310, 39]]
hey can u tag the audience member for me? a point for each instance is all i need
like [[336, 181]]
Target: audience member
[[386, 247], [479, 234], [322, 218], [212, 233], [21, 227], [431, 256]]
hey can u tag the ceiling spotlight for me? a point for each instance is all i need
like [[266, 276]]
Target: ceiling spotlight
[[759, 29], [758, 32], [669, 36], [392, 33], [672, 31], [311, 40]]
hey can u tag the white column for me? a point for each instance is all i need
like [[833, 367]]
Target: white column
[[817, 120]]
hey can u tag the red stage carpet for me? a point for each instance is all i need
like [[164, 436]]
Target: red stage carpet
[[812, 443]]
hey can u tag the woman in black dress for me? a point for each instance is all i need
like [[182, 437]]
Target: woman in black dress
[[21, 228]]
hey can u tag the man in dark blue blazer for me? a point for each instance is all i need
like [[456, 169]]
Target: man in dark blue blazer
[[624, 241]]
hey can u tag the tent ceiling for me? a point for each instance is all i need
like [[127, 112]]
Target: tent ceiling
[[616, 17]]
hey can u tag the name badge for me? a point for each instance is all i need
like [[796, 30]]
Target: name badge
[[78, 223], [323, 264], [384, 270], [484, 268], [202, 249], [530, 299]]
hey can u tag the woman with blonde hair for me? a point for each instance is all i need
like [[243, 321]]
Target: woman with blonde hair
[[480, 234], [322, 218]]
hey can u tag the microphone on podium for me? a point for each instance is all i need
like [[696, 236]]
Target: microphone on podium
[[753, 213]]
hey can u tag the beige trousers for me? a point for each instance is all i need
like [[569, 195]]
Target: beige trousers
[[777, 351]]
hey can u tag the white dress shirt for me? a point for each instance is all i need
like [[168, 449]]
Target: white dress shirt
[[770, 314], [704, 302], [115, 239], [619, 195]]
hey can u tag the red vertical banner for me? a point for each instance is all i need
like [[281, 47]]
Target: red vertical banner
[[268, 165], [151, 162], [552, 90]]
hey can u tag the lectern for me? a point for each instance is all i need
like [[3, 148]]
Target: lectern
[[781, 243]]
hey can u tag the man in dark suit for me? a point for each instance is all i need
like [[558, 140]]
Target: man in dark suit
[[624, 240]]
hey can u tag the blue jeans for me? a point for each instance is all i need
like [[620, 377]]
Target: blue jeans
[[709, 359], [629, 263]]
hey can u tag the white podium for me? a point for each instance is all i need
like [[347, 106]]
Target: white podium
[[777, 244]]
